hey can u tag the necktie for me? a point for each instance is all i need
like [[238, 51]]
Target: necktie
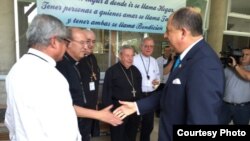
[[177, 62]]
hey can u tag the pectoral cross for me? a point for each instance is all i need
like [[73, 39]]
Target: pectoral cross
[[133, 92], [94, 76]]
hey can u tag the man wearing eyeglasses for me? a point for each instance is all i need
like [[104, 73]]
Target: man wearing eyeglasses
[[39, 106], [68, 67], [149, 69], [90, 73]]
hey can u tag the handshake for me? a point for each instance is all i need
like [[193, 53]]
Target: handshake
[[115, 118]]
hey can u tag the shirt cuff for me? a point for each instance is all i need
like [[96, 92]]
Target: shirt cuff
[[137, 110]]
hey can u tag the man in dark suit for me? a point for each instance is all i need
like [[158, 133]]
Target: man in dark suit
[[194, 90]]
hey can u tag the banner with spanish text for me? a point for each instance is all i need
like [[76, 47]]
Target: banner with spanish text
[[149, 16]]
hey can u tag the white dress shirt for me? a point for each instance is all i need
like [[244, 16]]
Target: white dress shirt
[[147, 66], [39, 105]]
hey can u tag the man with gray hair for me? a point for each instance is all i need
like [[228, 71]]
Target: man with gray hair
[[181, 103], [123, 82], [39, 105], [68, 67], [90, 77]]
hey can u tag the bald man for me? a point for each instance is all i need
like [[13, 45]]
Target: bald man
[[68, 67], [90, 73]]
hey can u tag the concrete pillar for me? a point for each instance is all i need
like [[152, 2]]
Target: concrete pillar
[[7, 36], [218, 13], [7, 43]]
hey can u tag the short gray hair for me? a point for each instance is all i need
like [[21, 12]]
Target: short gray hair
[[146, 39], [125, 47], [42, 28]]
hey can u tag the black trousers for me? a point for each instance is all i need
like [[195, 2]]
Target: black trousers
[[95, 129], [126, 131], [85, 126], [147, 125], [147, 122]]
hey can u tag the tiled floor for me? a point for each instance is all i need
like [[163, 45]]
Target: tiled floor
[[3, 133], [154, 135]]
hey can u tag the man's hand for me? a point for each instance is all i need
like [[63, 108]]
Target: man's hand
[[126, 109], [107, 116], [234, 63], [156, 83]]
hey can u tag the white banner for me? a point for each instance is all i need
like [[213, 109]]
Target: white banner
[[148, 16]]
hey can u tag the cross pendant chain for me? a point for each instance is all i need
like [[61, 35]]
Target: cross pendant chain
[[93, 75], [131, 83]]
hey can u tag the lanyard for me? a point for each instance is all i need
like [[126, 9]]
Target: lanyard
[[146, 70], [79, 76], [38, 56]]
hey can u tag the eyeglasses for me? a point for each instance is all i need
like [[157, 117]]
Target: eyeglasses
[[66, 41], [148, 46], [83, 43], [91, 41]]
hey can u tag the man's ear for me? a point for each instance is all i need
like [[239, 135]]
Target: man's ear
[[183, 33], [54, 42]]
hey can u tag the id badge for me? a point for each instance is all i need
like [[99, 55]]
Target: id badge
[[91, 86], [148, 83]]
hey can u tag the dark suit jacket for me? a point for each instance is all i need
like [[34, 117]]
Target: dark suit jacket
[[192, 94]]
